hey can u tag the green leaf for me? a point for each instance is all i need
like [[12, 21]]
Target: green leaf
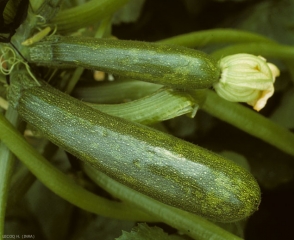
[[129, 13], [274, 19]]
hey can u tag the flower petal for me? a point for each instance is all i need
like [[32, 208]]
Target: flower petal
[[246, 78]]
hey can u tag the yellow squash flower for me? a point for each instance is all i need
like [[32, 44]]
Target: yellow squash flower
[[246, 78]]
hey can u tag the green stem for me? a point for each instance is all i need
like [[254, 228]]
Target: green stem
[[169, 104], [249, 121], [190, 224], [59, 183], [46, 9], [272, 50], [115, 92], [74, 79], [214, 36], [104, 29], [7, 160], [88, 13]]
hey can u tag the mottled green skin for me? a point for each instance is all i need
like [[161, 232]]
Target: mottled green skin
[[161, 166], [168, 65]]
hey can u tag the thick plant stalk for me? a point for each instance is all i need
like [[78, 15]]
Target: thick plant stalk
[[190, 224], [169, 104], [123, 89], [214, 36], [272, 50], [7, 160], [249, 121]]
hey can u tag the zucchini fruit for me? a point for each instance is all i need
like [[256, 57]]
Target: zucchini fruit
[[156, 164], [169, 65]]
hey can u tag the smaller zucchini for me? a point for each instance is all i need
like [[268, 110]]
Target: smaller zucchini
[[156, 164], [169, 65]]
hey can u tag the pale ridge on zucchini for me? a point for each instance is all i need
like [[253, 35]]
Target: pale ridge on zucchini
[[159, 165]]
